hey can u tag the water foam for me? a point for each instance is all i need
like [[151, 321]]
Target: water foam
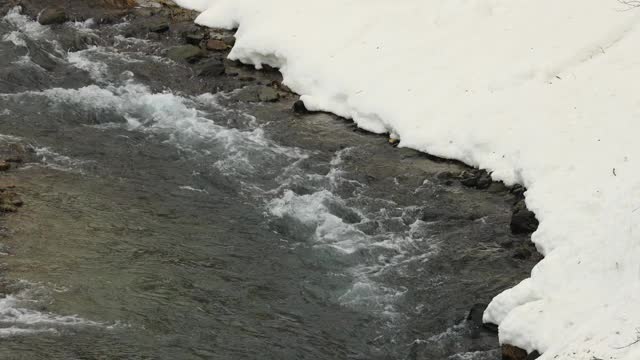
[[96, 69], [17, 318], [350, 227], [24, 24]]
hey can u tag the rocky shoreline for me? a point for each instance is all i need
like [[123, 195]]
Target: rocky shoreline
[[204, 51]]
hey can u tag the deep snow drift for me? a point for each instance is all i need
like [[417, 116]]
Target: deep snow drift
[[543, 93]]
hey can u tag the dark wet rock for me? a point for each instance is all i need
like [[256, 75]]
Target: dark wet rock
[[52, 16], [479, 179], [216, 45], [475, 318], [257, 93], [4, 166], [394, 142], [523, 220], [475, 314], [510, 352], [194, 39], [158, 26], [229, 40], [188, 53], [518, 190], [445, 175], [497, 187], [470, 178], [212, 67], [299, 108], [534, 355], [484, 181]]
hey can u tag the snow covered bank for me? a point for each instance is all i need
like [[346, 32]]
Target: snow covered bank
[[543, 93]]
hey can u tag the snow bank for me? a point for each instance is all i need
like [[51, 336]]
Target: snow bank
[[544, 93]]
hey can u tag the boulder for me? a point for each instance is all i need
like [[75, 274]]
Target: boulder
[[52, 15], [187, 53]]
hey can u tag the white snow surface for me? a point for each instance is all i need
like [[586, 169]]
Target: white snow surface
[[544, 93]]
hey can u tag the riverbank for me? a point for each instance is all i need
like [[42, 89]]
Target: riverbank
[[465, 211]]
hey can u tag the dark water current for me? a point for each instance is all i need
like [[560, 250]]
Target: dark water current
[[167, 220]]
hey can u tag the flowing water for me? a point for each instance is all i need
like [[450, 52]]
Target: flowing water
[[167, 220]]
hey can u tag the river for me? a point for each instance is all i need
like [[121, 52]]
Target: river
[[168, 217]]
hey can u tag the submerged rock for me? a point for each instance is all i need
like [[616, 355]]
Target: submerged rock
[[257, 93], [52, 15], [213, 67], [187, 53], [216, 45], [159, 26], [268, 94], [4, 166], [522, 253]]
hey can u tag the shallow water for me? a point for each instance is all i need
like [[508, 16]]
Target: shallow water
[[166, 220]]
